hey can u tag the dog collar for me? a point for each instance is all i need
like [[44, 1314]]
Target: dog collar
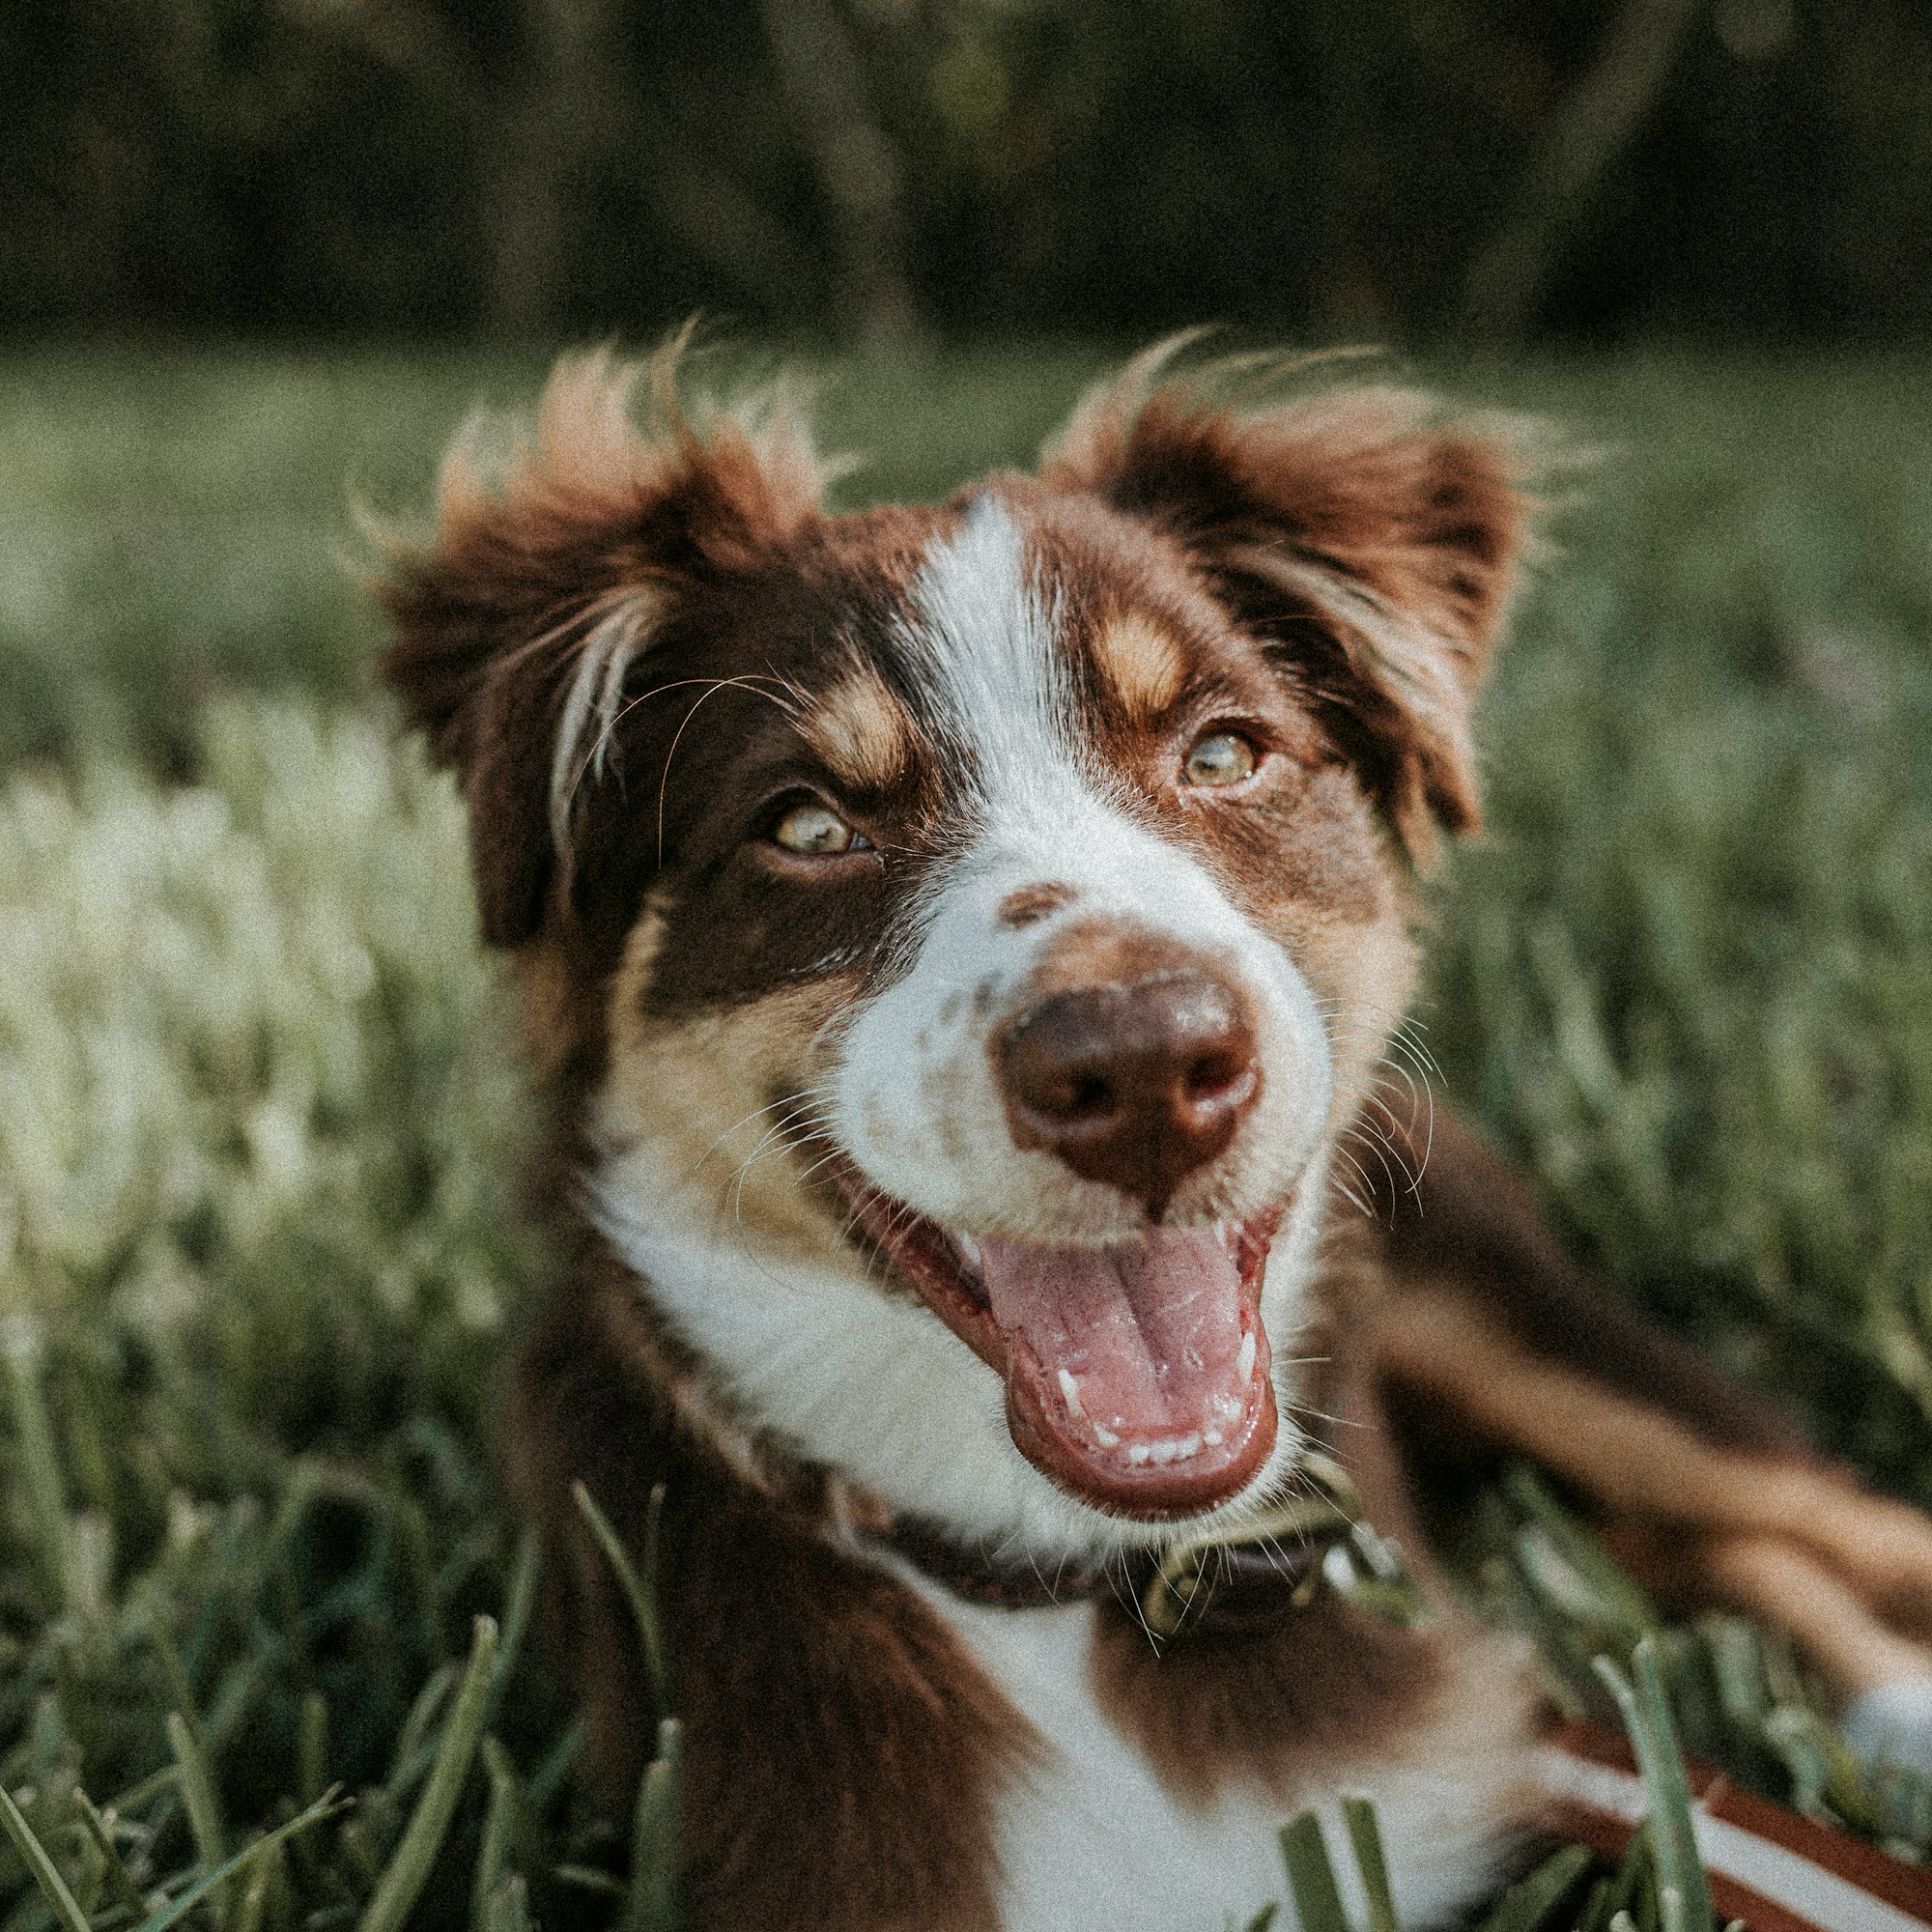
[[1244, 1576]]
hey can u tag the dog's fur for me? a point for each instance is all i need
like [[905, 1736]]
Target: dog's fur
[[782, 1083]]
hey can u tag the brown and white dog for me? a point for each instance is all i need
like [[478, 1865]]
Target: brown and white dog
[[956, 946]]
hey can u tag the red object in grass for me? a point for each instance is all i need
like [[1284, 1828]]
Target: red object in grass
[[1776, 1871]]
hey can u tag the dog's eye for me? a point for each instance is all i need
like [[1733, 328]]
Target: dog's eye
[[1220, 758], [817, 831]]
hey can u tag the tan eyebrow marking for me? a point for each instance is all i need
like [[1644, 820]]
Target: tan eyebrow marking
[[1143, 663], [860, 730]]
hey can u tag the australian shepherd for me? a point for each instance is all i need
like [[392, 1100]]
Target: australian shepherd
[[960, 954]]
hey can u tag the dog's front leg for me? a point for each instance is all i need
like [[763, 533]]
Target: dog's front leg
[[1493, 1343]]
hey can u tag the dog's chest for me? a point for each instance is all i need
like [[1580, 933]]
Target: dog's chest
[[1093, 1842]]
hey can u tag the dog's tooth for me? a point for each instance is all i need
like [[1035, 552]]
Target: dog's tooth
[[1224, 1408], [1168, 1449], [1212, 1437], [970, 1252], [1244, 1362], [1105, 1437], [1071, 1389]]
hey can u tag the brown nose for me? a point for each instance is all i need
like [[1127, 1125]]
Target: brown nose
[[1136, 1084]]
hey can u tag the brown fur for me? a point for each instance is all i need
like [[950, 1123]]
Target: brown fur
[[842, 1754], [1032, 903], [1424, 522], [1333, 573], [586, 512]]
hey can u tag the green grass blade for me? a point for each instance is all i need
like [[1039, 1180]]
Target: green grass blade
[[1619, 1600], [509, 1907], [496, 1824], [312, 1747], [517, 1601], [653, 1903], [254, 1902], [1365, 1840], [1684, 1877], [197, 1789], [167, 1653], [1528, 1903], [557, 1764], [176, 1908], [406, 1871], [1596, 1914], [415, 1749], [120, 1881], [1311, 1878], [639, 1591], [46, 1873], [47, 1488], [1647, 1714], [590, 1878]]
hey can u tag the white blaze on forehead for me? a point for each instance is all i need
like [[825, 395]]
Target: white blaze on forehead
[[983, 644]]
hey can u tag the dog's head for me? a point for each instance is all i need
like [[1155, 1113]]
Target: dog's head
[[962, 934]]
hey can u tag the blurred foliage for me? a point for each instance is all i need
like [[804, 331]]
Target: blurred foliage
[[1754, 168], [257, 1243], [252, 1101]]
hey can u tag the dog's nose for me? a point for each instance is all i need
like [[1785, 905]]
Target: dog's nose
[[1136, 1084]]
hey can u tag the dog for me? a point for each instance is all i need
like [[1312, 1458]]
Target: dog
[[960, 953]]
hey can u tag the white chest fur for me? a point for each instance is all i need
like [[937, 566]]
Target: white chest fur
[[1094, 1842]]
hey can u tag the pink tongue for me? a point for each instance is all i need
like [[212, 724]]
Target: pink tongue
[[1149, 1334]]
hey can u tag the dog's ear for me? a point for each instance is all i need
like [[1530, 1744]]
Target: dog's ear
[[548, 579], [1374, 548]]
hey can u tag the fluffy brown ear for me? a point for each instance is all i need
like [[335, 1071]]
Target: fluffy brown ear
[[549, 575], [1377, 547]]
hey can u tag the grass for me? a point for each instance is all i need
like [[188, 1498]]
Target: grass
[[257, 1239]]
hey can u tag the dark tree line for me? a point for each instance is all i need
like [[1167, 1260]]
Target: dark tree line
[[1759, 169]]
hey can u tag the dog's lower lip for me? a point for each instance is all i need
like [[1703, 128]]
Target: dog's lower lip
[[1136, 1376]]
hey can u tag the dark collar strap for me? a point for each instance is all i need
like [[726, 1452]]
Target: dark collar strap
[[1237, 1581]]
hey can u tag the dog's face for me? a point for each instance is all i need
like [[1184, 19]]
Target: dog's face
[[964, 934]]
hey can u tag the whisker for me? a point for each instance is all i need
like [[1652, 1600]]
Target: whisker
[[684, 724], [596, 750], [1347, 1192]]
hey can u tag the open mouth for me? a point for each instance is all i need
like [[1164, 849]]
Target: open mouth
[[1136, 1376]]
